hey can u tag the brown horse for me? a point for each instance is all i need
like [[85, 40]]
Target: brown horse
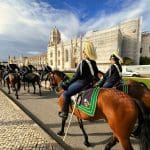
[[108, 107], [136, 89], [13, 81], [113, 106], [56, 78]]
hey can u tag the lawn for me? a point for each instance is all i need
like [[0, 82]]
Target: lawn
[[144, 80]]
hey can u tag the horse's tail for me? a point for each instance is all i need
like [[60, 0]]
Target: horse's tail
[[18, 83], [144, 122]]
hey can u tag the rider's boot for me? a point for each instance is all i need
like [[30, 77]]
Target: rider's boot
[[65, 110]]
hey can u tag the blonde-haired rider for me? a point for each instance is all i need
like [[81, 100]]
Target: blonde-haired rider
[[86, 72], [113, 76]]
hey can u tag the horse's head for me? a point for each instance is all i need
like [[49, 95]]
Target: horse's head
[[56, 78]]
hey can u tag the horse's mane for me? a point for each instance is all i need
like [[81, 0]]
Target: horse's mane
[[60, 74]]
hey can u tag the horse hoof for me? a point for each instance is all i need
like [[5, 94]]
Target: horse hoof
[[60, 133], [86, 143]]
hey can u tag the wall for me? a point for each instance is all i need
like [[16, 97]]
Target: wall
[[145, 44]]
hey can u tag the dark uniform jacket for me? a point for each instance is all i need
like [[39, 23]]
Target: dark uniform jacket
[[83, 71], [113, 75], [12, 68], [48, 69]]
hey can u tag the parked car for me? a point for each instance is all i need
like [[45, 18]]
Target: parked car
[[130, 73]]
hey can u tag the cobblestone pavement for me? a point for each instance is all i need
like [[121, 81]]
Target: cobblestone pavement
[[18, 131]]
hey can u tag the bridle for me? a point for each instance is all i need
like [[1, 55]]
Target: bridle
[[56, 86]]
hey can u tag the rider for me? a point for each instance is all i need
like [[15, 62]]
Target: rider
[[25, 68], [47, 68], [85, 74], [114, 73], [11, 68]]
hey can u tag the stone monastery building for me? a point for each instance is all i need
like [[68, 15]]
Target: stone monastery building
[[125, 37]]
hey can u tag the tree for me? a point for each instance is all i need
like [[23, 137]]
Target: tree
[[127, 61], [144, 60]]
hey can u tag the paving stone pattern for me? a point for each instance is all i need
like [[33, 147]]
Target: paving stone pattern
[[18, 131]]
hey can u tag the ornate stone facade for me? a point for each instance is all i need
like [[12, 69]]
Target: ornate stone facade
[[38, 60], [63, 55], [125, 37]]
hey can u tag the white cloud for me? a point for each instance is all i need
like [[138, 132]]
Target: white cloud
[[25, 24], [136, 9]]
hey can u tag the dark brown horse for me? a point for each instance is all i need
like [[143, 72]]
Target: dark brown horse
[[1, 77], [32, 78], [139, 90], [111, 105], [2, 68], [13, 81]]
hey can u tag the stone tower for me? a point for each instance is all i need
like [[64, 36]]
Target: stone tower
[[54, 42], [55, 37]]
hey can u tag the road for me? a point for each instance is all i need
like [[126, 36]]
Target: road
[[45, 107]]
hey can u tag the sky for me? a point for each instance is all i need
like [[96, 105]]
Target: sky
[[25, 25]]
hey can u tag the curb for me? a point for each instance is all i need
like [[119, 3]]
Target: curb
[[58, 144]]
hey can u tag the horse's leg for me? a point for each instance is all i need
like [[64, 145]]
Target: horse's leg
[[136, 132], [33, 84], [24, 86], [8, 87], [4, 83], [45, 84], [16, 92], [122, 130], [28, 88], [61, 132], [86, 142], [111, 143], [125, 142], [39, 84]]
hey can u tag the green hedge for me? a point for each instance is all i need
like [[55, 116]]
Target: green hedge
[[144, 61]]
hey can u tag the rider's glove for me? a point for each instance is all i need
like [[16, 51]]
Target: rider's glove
[[65, 84]]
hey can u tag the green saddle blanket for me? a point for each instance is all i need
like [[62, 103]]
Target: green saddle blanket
[[125, 87], [87, 100]]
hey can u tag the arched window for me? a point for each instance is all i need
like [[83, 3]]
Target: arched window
[[67, 55]]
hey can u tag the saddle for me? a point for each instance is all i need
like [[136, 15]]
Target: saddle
[[86, 100], [122, 86]]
